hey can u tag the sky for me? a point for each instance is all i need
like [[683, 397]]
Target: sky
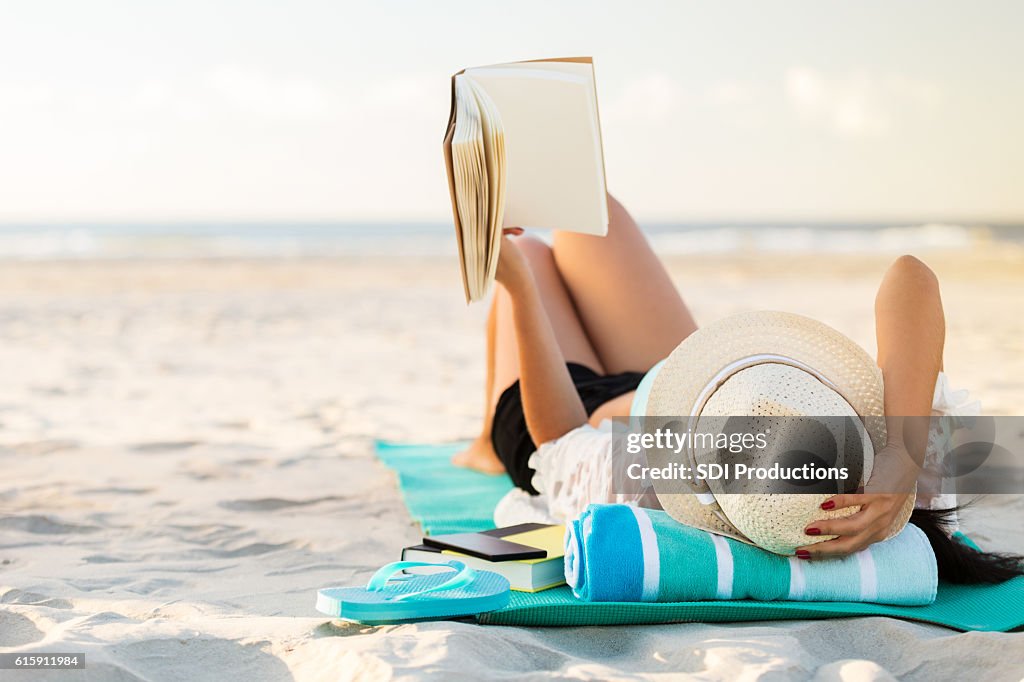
[[308, 110]]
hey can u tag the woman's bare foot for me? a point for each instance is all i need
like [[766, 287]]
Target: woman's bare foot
[[480, 456]]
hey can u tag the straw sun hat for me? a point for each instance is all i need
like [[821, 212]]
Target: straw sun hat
[[769, 365]]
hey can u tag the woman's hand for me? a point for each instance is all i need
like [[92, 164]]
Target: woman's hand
[[513, 269], [878, 510]]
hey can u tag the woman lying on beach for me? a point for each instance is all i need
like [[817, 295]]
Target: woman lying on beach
[[575, 327]]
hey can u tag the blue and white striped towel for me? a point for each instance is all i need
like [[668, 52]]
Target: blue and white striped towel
[[617, 552]]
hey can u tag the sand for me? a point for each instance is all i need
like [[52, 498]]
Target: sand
[[185, 457]]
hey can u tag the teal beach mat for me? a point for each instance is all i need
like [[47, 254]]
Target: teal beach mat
[[442, 498], [446, 499]]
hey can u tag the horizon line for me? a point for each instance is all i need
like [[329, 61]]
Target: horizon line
[[385, 222]]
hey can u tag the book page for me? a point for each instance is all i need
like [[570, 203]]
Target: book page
[[470, 179], [554, 159], [494, 160]]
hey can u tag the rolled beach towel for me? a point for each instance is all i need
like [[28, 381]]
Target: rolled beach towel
[[617, 552]]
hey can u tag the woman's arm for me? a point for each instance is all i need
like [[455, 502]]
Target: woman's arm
[[911, 331], [910, 327], [551, 405]]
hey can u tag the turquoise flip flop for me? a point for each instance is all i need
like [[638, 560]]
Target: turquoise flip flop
[[416, 597]]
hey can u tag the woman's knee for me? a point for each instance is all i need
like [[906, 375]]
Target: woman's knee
[[536, 250], [911, 271]]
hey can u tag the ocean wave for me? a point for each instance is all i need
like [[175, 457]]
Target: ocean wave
[[818, 239], [225, 241]]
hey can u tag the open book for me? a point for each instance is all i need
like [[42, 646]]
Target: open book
[[522, 149]]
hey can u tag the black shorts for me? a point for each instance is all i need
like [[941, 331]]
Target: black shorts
[[509, 435]]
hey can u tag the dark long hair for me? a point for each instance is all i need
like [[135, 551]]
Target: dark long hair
[[958, 562]]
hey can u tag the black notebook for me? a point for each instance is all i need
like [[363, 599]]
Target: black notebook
[[490, 545]]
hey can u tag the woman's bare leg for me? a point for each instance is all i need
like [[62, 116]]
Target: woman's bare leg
[[480, 455], [503, 351], [632, 313]]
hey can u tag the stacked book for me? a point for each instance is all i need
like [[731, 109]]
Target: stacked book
[[530, 555]]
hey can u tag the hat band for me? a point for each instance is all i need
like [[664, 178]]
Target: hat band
[[745, 363], [703, 493]]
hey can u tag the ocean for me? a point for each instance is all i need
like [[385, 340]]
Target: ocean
[[216, 240]]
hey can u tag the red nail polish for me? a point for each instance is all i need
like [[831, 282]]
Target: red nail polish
[[813, 531], [828, 505], [803, 554]]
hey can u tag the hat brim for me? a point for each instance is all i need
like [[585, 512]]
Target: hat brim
[[703, 361]]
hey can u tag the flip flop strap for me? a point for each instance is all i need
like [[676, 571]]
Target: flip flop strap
[[464, 575]]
